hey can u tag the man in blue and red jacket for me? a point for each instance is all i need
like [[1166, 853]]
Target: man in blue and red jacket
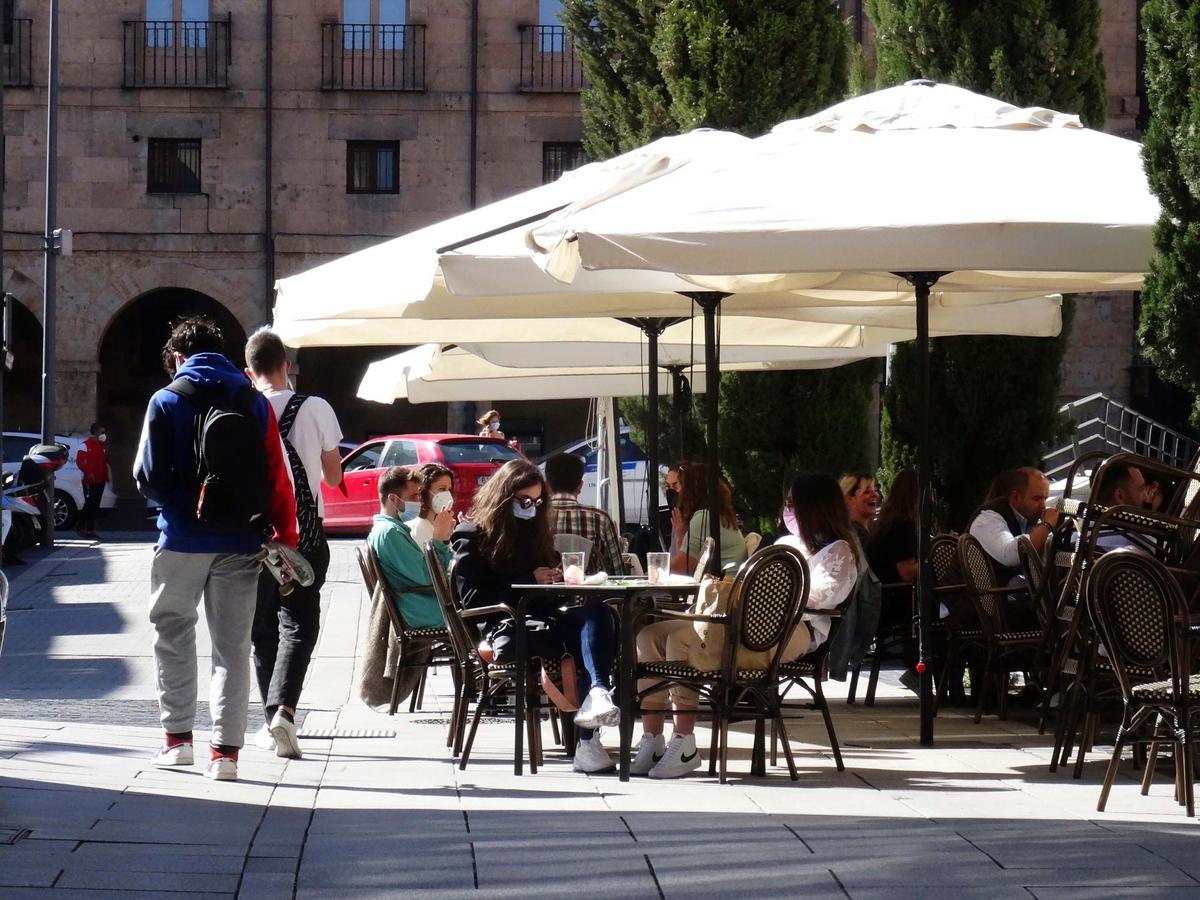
[[194, 560]]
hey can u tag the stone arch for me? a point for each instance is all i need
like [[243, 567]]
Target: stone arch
[[130, 370]]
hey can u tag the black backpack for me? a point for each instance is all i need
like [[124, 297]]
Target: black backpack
[[308, 521], [227, 491]]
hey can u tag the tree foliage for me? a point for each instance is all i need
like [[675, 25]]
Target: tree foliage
[[1169, 329], [993, 400]]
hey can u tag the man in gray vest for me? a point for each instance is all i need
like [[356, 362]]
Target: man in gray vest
[[1018, 507]]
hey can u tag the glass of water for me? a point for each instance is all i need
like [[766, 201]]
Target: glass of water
[[658, 567]]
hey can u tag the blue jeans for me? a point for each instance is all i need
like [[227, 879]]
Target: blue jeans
[[590, 636]]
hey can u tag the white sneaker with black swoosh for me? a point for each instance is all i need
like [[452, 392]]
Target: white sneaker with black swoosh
[[649, 752], [680, 757]]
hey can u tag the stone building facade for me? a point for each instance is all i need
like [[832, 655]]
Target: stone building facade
[[382, 116]]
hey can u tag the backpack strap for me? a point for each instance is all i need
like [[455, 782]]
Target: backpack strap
[[204, 397], [288, 419]]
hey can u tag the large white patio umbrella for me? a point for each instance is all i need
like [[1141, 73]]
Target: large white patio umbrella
[[943, 187]]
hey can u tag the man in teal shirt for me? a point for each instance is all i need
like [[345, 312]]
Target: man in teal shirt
[[402, 561]]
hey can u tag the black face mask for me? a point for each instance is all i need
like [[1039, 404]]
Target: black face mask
[[672, 496]]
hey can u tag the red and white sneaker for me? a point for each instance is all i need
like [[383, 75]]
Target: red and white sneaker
[[221, 768], [178, 755]]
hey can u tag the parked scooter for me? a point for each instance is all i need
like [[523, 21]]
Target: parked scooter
[[25, 496]]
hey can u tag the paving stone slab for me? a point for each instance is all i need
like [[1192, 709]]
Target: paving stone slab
[[117, 880]]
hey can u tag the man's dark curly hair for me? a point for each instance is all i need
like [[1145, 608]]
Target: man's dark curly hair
[[191, 335]]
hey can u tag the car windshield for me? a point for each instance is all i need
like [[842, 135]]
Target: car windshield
[[477, 452]]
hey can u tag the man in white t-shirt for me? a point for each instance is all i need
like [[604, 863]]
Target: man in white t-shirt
[[286, 627]]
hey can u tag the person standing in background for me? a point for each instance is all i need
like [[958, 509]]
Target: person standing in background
[[93, 464]]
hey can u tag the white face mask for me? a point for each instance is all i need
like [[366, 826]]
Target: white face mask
[[102, 438], [493, 426], [441, 501]]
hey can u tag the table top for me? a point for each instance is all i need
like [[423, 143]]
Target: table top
[[624, 584]]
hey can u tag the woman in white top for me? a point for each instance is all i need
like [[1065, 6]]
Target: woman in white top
[[819, 525], [437, 502]]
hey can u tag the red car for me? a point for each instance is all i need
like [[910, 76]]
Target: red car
[[471, 459]]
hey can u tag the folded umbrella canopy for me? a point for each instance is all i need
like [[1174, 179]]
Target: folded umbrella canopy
[[949, 188]]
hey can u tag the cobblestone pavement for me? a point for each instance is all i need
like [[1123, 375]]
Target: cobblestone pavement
[[377, 809]]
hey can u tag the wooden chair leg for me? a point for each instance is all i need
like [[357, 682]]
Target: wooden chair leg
[[1113, 764], [394, 703], [724, 747], [554, 727], [819, 697], [775, 740], [479, 708], [853, 684], [1151, 761], [787, 747], [415, 703], [714, 746], [873, 683]]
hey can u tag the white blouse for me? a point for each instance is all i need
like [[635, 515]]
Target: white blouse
[[832, 575], [422, 530]]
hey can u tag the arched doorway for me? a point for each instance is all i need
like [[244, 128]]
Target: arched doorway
[[23, 385], [131, 366]]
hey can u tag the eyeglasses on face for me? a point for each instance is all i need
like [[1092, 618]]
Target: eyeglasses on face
[[527, 502]]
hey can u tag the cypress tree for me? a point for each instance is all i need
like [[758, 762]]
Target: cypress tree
[[1030, 53], [1169, 330]]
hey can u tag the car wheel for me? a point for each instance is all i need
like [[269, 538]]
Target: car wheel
[[65, 511]]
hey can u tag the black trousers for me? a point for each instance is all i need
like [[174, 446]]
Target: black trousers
[[92, 495], [284, 634]]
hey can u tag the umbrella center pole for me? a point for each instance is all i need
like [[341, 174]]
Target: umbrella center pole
[[922, 282], [710, 303]]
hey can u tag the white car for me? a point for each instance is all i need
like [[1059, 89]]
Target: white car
[[68, 481], [633, 469]]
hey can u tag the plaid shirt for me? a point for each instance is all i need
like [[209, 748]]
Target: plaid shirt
[[572, 517]]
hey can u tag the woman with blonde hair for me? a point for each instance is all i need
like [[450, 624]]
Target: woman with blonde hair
[[510, 540], [489, 424]]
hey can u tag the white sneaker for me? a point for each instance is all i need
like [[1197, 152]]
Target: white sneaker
[[264, 740], [286, 744], [223, 768], [681, 757], [597, 710], [649, 752], [179, 755], [591, 757]]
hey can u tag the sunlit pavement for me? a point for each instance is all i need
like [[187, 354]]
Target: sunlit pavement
[[377, 808]]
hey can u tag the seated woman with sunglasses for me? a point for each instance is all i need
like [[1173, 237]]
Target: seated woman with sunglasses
[[509, 540]]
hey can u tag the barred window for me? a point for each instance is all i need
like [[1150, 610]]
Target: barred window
[[372, 167], [173, 166], [559, 157]]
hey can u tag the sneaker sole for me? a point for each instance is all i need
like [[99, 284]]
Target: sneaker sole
[[611, 767], [220, 776], [690, 768], [286, 746], [164, 764]]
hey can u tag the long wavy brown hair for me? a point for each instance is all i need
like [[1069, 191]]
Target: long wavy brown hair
[[820, 508], [694, 495], [492, 512], [900, 504]]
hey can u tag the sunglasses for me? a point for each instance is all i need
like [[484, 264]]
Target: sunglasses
[[527, 502]]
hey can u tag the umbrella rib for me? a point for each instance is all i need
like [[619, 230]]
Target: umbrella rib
[[528, 220]]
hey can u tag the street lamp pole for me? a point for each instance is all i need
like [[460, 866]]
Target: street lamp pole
[[50, 264]]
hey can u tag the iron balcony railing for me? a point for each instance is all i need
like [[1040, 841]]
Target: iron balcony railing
[[178, 54], [372, 57], [18, 53], [548, 60]]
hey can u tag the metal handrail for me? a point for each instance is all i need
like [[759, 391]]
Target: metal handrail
[[177, 53], [372, 57], [549, 63]]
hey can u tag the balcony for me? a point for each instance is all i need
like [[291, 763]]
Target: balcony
[[180, 54], [17, 58], [548, 61], [372, 57]]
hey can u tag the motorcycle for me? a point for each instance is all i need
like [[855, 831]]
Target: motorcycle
[[25, 492]]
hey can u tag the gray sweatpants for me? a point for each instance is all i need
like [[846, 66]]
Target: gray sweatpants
[[228, 582]]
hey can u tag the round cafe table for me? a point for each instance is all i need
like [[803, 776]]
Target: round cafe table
[[628, 595]]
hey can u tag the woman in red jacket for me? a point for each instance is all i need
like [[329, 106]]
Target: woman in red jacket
[[93, 463]]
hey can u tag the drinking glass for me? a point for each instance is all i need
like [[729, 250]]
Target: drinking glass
[[658, 567], [572, 566]]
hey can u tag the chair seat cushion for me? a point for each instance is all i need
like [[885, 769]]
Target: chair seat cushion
[[1161, 690], [681, 670], [1018, 637]]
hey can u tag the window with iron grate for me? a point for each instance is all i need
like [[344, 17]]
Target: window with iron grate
[[559, 157], [372, 167], [173, 166]]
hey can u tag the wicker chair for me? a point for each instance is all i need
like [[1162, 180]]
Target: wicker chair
[[766, 603], [963, 634], [481, 681], [1142, 615], [1006, 651], [372, 573]]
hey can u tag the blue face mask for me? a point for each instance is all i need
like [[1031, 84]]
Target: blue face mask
[[521, 512], [412, 509]]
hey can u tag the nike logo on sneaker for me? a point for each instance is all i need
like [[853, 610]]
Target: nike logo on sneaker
[[684, 758], [657, 756]]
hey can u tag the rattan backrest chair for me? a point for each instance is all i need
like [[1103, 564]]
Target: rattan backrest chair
[[766, 602], [1142, 617], [1033, 567], [373, 577], [461, 642], [982, 585], [943, 556]]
